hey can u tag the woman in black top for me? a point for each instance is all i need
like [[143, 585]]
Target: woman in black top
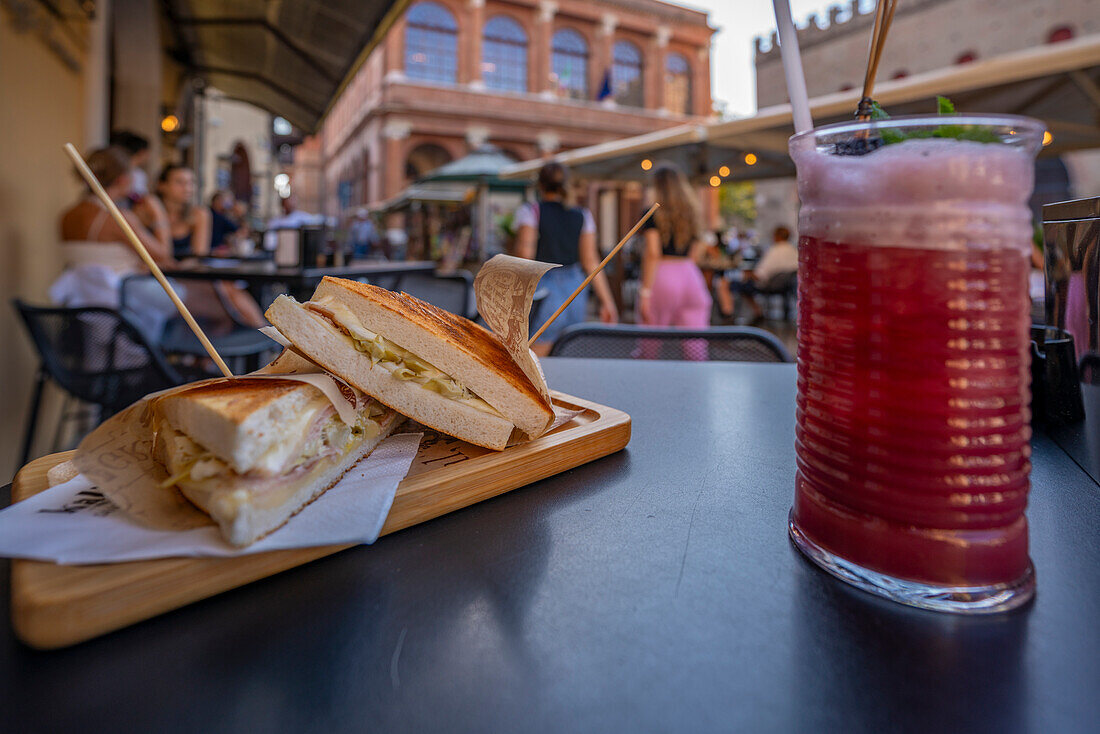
[[550, 231], [674, 292]]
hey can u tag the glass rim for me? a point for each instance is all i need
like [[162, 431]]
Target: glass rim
[[1029, 125]]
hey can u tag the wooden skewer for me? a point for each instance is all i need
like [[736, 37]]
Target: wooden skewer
[[594, 273], [143, 253], [884, 16]]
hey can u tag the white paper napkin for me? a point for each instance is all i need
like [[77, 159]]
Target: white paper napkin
[[73, 523]]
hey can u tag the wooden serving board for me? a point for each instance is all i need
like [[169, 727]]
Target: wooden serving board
[[54, 606]]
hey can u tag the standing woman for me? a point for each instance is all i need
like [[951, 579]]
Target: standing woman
[[189, 225], [552, 232], [674, 292]]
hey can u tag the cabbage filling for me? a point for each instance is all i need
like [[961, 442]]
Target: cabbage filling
[[398, 361]]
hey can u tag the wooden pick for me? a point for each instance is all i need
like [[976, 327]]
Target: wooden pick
[[143, 253], [594, 273], [884, 16]]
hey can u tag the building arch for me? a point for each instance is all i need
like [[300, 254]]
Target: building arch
[[425, 158], [678, 97], [504, 54], [431, 43], [569, 63], [627, 74]]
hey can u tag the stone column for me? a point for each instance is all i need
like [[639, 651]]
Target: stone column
[[700, 84], [655, 68], [97, 79], [602, 54], [394, 133], [469, 45], [393, 50], [539, 71]]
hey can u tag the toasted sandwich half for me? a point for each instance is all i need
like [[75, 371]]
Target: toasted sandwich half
[[252, 453], [437, 368]]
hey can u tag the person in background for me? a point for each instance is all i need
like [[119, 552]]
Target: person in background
[[779, 259], [553, 232], [293, 218], [189, 225], [222, 223], [190, 228], [673, 291], [98, 257], [362, 233], [137, 147]]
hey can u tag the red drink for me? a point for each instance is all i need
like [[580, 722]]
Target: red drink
[[913, 367]]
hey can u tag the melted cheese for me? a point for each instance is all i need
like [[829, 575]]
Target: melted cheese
[[398, 361]]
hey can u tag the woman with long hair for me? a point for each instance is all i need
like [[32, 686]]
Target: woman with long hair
[[189, 225], [673, 291], [551, 231]]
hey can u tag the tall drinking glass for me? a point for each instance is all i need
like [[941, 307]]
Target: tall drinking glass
[[913, 336]]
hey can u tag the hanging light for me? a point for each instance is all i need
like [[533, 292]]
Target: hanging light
[[724, 171], [715, 181], [170, 123], [750, 159], [646, 164]]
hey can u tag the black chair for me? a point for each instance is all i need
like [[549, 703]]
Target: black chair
[[243, 348], [96, 355], [720, 343], [453, 292], [784, 285]]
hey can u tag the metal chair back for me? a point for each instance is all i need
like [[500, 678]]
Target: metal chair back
[[453, 292], [721, 343], [96, 354]]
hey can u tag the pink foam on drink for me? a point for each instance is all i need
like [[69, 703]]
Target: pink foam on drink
[[927, 193]]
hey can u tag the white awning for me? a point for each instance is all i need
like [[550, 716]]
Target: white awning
[[1056, 83]]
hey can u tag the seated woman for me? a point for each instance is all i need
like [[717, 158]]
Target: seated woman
[[190, 229], [98, 258]]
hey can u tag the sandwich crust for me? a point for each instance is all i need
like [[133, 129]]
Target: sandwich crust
[[478, 348]]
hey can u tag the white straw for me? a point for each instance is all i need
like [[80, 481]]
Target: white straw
[[792, 66]]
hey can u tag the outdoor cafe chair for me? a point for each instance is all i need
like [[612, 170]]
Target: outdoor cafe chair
[[624, 341], [452, 292], [243, 348], [784, 285], [95, 354]]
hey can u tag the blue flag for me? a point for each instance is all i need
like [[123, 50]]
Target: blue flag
[[605, 88]]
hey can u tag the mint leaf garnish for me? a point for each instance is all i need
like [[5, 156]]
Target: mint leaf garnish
[[889, 136]]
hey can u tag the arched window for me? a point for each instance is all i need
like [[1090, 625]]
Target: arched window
[[431, 40], [424, 159], [569, 64], [967, 57], [626, 74], [1061, 33], [677, 84], [504, 55]]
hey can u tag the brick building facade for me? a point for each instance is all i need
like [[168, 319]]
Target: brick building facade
[[529, 76]]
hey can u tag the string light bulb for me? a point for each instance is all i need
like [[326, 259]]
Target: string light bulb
[[724, 171], [170, 123], [1047, 138], [647, 164], [750, 159], [715, 181]]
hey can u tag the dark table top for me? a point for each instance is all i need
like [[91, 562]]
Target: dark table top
[[268, 272], [653, 590]]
